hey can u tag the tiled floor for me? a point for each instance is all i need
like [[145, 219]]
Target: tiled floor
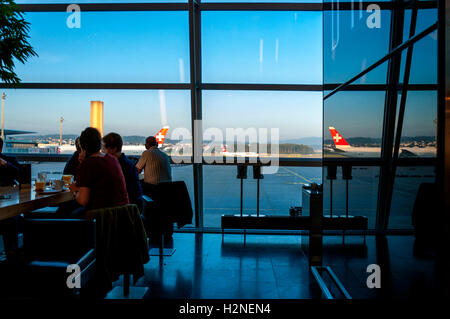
[[273, 266]]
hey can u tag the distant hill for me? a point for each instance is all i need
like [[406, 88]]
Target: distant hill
[[284, 148], [291, 148]]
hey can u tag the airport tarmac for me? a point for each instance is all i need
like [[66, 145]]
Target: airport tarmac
[[279, 191]]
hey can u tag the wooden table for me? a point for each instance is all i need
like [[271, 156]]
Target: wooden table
[[27, 199]]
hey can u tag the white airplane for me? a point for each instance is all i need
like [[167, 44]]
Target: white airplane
[[127, 149], [342, 147], [238, 154]]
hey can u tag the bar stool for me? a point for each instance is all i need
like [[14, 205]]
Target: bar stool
[[331, 175], [346, 175], [258, 176]]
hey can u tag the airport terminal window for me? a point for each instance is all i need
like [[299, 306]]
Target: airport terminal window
[[238, 47], [420, 125], [357, 117], [297, 115], [122, 47], [407, 182], [363, 193], [351, 45], [424, 59], [262, 47], [278, 191], [135, 114]]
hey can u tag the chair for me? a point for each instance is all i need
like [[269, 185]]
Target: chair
[[170, 205], [48, 212], [426, 218], [50, 246], [122, 248], [159, 228]]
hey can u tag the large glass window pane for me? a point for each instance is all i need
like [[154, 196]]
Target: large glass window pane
[[278, 192], [135, 114], [424, 58], [362, 193], [419, 125], [406, 186], [296, 115], [262, 47], [353, 122], [353, 40], [108, 47]]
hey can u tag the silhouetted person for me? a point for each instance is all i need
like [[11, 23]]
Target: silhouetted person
[[112, 144], [9, 168], [157, 169], [156, 166], [99, 182], [73, 163], [9, 172]]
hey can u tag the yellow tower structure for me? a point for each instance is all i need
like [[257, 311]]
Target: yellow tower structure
[[97, 115]]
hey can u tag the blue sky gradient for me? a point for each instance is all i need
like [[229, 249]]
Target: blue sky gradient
[[237, 47]]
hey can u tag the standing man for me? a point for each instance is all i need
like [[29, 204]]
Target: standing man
[[156, 166]]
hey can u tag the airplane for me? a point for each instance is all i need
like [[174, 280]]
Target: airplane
[[238, 154], [127, 149], [342, 147], [161, 135]]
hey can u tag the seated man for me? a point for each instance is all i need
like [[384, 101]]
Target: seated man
[[9, 171], [157, 169], [9, 168], [112, 144], [73, 163], [71, 168], [156, 166], [99, 182]]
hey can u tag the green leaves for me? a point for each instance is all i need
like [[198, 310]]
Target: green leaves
[[14, 43]]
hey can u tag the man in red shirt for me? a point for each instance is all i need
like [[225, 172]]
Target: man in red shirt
[[100, 182]]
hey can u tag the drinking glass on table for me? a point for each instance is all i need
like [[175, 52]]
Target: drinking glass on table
[[39, 184], [67, 179], [42, 177]]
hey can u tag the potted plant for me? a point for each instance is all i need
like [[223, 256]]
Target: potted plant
[[14, 45]]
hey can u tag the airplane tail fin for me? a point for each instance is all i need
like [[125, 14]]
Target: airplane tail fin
[[224, 149], [338, 139], [161, 135]]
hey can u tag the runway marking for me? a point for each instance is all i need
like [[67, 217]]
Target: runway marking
[[298, 175]]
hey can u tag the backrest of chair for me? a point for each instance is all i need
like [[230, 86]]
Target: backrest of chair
[[175, 195], [121, 239], [426, 212]]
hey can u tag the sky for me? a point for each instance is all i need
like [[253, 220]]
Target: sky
[[237, 47]]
